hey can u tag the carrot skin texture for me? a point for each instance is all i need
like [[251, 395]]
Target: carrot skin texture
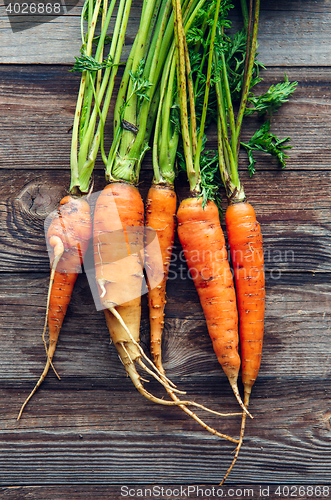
[[246, 247], [160, 218], [202, 239], [72, 224], [68, 238], [118, 244]]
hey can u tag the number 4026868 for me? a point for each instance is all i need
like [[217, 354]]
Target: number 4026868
[[303, 491], [33, 8]]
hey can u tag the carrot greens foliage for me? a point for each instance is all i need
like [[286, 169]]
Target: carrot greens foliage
[[236, 75]]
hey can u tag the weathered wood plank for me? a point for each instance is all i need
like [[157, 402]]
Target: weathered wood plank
[[298, 311], [37, 107], [99, 438], [134, 492], [291, 33], [292, 207], [92, 432], [56, 42], [149, 492]]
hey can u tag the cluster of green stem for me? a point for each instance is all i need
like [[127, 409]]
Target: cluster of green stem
[[96, 87], [229, 126], [136, 105], [148, 94]]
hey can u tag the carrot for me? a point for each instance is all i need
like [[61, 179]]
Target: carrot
[[245, 240], [118, 239], [244, 233], [199, 228], [70, 231], [203, 242], [160, 218], [68, 238]]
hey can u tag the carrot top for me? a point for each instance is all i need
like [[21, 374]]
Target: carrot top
[[236, 73], [136, 104], [96, 86]]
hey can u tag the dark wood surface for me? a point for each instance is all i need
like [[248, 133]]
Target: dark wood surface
[[89, 434]]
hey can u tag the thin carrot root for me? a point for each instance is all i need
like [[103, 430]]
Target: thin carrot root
[[130, 354], [38, 384], [200, 421], [242, 405], [58, 249], [241, 437], [165, 381], [68, 236]]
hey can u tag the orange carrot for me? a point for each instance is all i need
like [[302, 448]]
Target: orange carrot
[[246, 246], [68, 238], [160, 219], [202, 239]]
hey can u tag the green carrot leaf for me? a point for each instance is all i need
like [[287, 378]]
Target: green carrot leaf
[[263, 140], [234, 49], [269, 102], [88, 63], [210, 178]]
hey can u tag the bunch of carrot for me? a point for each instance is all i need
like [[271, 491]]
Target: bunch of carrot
[[157, 99], [121, 245]]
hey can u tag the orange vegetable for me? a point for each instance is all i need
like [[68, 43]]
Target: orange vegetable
[[68, 236], [246, 247], [160, 217], [118, 240], [202, 239]]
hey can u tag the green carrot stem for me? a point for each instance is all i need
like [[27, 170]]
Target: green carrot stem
[[208, 81], [193, 178], [165, 141], [127, 155], [88, 98], [248, 78], [115, 50], [232, 121], [82, 162], [244, 11], [80, 98]]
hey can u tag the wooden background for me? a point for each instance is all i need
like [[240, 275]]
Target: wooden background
[[89, 434]]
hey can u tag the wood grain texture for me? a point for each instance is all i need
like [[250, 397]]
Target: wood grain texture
[[93, 427], [293, 211], [38, 102], [88, 434], [291, 33], [136, 492]]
